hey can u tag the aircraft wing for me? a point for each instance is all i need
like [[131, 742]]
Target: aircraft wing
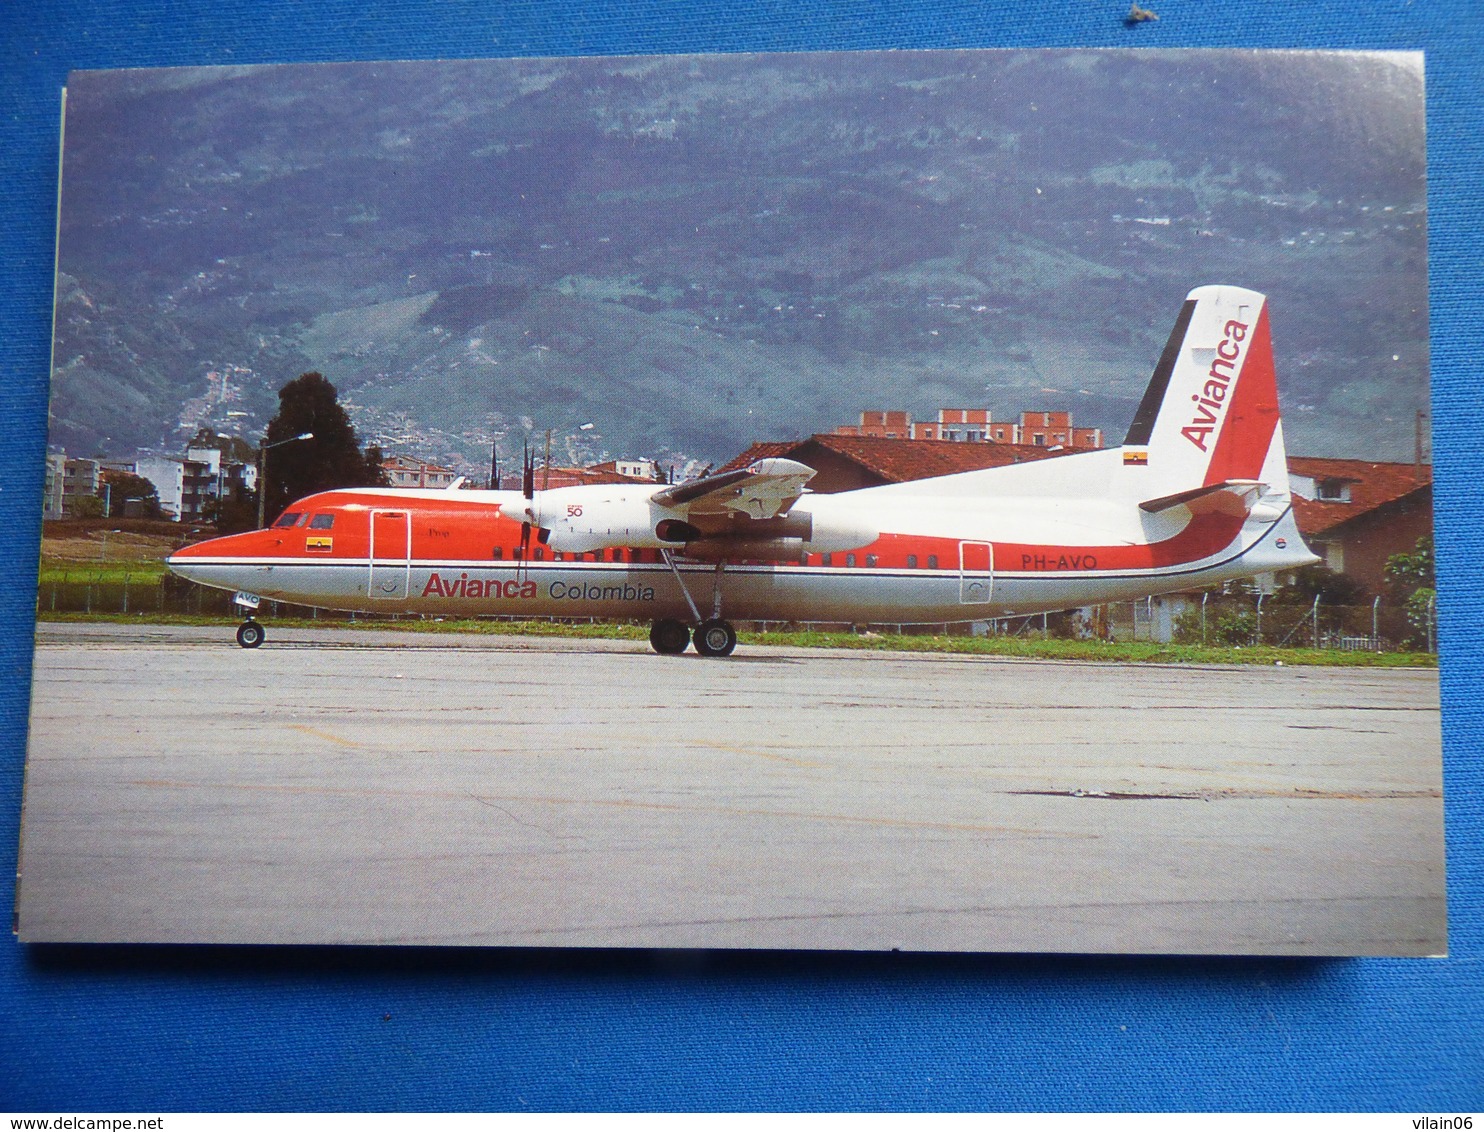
[[763, 490]]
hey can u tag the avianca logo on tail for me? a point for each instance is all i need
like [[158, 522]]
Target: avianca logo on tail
[[1212, 399]]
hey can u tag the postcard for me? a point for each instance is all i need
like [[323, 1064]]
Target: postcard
[[936, 501]]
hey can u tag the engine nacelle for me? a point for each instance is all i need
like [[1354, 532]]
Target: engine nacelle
[[785, 538], [580, 519], [842, 530], [734, 549]]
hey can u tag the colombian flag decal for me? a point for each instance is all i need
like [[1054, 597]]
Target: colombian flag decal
[[320, 543], [1138, 459]]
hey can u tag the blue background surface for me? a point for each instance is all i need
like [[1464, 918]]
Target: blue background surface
[[245, 1028]]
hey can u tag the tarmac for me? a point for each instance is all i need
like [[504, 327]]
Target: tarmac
[[382, 787]]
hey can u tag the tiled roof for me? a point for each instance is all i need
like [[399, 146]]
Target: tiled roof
[[897, 461], [901, 460], [1371, 485], [760, 451]]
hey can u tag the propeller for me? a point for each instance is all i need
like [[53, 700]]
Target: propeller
[[528, 489]]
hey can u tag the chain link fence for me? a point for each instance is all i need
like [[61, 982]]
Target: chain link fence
[[1214, 619]]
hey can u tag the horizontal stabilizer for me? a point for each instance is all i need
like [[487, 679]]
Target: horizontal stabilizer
[[1231, 497]]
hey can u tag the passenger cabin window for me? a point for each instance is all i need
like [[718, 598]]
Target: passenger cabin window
[[850, 560], [932, 561], [540, 555], [289, 519], [870, 560], [912, 562], [322, 522], [826, 559], [498, 554]]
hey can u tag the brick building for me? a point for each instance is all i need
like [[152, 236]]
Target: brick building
[[1040, 429], [408, 471], [1355, 514]]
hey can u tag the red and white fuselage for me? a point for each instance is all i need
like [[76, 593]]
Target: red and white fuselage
[[1197, 494]]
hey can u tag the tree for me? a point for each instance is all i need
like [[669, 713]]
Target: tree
[[236, 511], [1408, 571], [84, 507], [1413, 579], [124, 486], [332, 459], [1320, 581]]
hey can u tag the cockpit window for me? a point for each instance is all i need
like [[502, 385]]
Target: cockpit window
[[289, 519], [322, 522]]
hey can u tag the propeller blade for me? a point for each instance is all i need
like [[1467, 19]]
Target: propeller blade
[[523, 563]]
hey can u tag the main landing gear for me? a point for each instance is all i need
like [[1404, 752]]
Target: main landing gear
[[712, 635]]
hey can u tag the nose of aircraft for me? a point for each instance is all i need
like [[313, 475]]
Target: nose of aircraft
[[188, 560]]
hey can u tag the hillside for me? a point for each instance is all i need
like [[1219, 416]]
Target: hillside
[[691, 253]]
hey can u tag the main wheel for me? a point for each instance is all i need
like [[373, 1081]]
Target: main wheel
[[716, 638], [668, 637], [250, 634]]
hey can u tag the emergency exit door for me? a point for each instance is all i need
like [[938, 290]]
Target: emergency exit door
[[389, 556], [975, 572]]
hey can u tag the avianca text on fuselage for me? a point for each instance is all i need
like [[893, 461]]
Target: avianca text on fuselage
[[1211, 401], [467, 587]]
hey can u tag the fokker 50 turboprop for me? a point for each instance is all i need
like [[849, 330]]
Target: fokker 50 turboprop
[[1197, 494]]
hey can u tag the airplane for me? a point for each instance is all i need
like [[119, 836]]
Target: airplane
[[1197, 494]]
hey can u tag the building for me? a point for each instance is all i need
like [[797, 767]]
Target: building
[[1355, 514], [844, 463], [555, 476], [52, 497], [408, 471], [1041, 429], [167, 473], [634, 469], [189, 486], [79, 479], [967, 425], [1048, 429]]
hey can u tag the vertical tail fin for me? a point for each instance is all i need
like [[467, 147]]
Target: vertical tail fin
[[1210, 414]]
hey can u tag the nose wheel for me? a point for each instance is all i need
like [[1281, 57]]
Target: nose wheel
[[250, 634]]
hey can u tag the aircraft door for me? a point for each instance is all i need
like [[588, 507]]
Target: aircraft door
[[389, 556], [975, 572]]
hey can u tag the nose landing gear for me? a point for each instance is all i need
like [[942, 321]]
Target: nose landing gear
[[249, 634]]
